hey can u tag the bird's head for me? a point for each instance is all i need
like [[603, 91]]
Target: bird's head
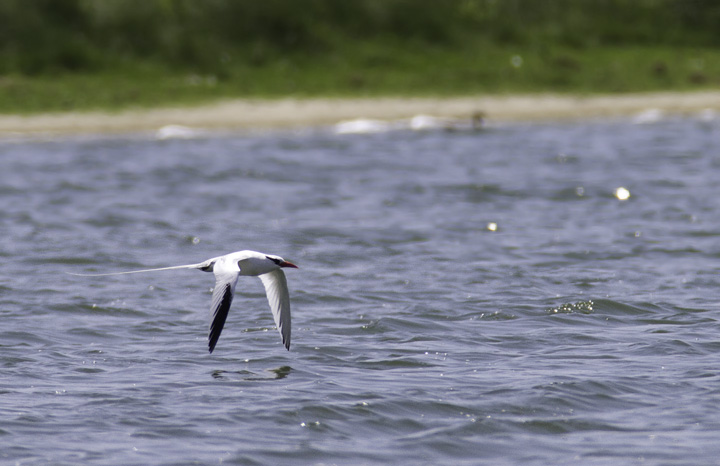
[[280, 262]]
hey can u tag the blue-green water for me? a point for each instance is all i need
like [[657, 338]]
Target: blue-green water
[[462, 298]]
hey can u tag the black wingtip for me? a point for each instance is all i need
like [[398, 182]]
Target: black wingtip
[[214, 337], [219, 320]]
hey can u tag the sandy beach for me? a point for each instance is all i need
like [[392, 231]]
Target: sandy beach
[[289, 113]]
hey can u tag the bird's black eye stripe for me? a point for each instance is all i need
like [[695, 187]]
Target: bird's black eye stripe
[[277, 261]]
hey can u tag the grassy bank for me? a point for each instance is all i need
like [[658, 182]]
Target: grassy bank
[[112, 54]]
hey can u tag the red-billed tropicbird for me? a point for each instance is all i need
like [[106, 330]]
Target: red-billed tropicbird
[[227, 269]]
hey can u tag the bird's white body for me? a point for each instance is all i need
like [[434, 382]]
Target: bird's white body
[[248, 263], [227, 269]]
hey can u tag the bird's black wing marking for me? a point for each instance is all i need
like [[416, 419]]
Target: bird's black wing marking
[[219, 316]]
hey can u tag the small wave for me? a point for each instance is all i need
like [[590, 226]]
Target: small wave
[[178, 132], [611, 307], [364, 126], [708, 115], [605, 307], [648, 116], [419, 122], [579, 307]]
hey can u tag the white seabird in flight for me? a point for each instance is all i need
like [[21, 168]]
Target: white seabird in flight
[[227, 269]]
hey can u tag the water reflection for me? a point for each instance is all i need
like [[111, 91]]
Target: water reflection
[[279, 373]]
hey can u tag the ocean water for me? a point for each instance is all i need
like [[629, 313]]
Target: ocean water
[[463, 297]]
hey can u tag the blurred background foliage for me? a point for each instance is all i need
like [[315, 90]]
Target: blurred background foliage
[[458, 45], [44, 36]]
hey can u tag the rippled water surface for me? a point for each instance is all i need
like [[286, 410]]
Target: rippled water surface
[[462, 298]]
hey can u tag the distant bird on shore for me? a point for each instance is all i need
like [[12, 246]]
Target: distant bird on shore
[[227, 269]]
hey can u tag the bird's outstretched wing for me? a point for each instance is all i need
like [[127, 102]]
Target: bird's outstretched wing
[[205, 266], [221, 299], [279, 299]]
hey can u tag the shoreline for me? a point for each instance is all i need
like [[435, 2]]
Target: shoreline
[[248, 114]]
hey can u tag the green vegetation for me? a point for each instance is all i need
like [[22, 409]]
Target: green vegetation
[[85, 54]]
